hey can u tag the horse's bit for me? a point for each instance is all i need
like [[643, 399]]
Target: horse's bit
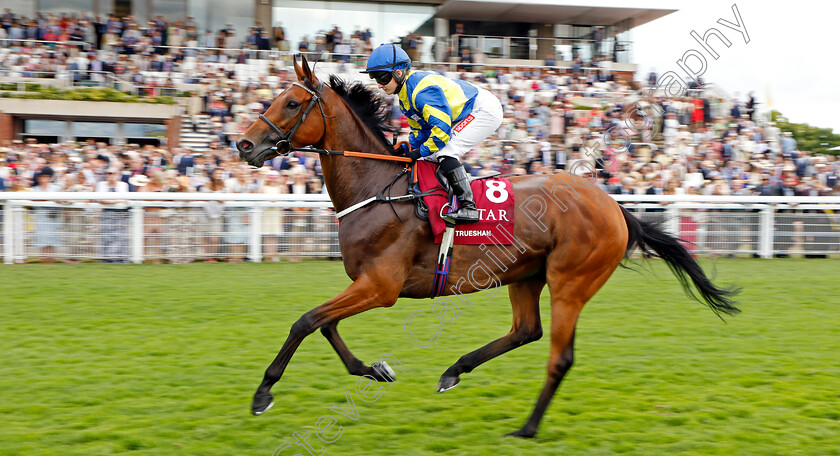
[[286, 138]]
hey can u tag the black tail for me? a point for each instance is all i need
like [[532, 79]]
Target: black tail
[[652, 240]]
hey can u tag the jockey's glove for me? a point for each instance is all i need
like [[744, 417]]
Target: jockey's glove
[[414, 154], [402, 147]]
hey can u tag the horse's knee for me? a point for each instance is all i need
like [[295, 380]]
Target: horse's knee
[[567, 359], [559, 367], [326, 328], [302, 327], [528, 333], [535, 334]]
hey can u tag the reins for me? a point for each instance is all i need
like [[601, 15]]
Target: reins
[[349, 153]]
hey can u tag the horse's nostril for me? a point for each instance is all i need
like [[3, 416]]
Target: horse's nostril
[[245, 145]]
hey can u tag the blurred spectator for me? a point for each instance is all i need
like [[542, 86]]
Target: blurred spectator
[[236, 218], [213, 222], [114, 220], [272, 217], [47, 219]]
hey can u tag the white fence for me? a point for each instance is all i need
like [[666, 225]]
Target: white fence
[[759, 226], [178, 228], [186, 227]]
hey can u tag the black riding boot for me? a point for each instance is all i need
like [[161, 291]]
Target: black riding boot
[[460, 183]]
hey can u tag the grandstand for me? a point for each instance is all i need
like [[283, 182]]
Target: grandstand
[[160, 99]]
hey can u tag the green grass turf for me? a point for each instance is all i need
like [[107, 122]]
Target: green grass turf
[[163, 359]]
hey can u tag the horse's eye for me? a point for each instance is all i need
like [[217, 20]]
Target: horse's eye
[[293, 104]]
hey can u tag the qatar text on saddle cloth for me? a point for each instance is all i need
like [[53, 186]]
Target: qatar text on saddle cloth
[[493, 198]]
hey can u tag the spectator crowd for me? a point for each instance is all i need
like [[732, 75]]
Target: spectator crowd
[[555, 117]]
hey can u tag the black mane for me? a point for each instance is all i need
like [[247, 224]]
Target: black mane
[[366, 104]]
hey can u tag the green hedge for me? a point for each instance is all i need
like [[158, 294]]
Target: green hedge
[[28, 86], [37, 92]]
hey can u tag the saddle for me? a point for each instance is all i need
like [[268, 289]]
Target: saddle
[[494, 199], [432, 195], [421, 209]]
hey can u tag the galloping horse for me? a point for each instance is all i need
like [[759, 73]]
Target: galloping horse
[[580, 238]]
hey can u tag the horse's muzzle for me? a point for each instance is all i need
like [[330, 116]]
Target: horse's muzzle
[[246, 150], [253, 155], [244, 146]]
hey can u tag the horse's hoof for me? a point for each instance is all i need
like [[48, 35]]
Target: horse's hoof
[[262, 403], [523, 433], [382, 372], [447, 383]]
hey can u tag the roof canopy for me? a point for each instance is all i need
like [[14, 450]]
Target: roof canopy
[[549, 12]]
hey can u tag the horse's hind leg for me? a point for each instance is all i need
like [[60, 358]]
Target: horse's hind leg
[[564, 316], [525, 300], [570, 291], [379, 370]]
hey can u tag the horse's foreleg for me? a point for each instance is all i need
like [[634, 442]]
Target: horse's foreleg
[[526, 328], [361, 295], [379, 371]]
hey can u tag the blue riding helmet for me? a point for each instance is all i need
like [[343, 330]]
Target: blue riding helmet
[[387, 57]]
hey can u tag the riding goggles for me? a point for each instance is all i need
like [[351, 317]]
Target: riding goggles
[[382, 77]]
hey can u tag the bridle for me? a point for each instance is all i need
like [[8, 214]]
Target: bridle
[[284, 145], [287, 148], [285, 141]]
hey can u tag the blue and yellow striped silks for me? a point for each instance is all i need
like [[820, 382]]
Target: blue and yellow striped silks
[[433, 104]]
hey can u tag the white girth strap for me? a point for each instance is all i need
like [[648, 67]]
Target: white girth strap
[[364, 203], [354, 207]]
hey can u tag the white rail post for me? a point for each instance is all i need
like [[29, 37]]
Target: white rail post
[[255, 235], [673, 221], [8, 232], [19, 236], [765, 231], [136, 234]]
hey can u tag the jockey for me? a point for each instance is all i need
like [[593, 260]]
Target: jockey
[[448, 118]]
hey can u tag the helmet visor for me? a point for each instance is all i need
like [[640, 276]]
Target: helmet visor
[[381, 77]]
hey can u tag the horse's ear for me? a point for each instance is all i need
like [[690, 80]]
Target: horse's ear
[[308, 74], [298, 69]]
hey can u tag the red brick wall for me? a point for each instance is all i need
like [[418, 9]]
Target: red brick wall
[[173, 132], [7, 127]]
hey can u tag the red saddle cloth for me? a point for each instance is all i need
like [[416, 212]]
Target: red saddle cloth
[[493, 198]]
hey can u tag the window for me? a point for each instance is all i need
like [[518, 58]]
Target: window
[[520, 48], [94, 129], [172, 10], [494, 47], [22, 7], [239, 14], [387, 21], [44, 127], [66, 6], [132, 130]]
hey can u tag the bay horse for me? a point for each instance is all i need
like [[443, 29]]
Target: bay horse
[[573, 247]]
